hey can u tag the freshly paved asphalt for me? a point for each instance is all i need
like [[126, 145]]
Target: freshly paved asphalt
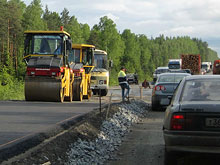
[[20, 119], [26, 124]]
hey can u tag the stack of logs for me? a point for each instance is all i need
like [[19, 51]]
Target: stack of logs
[[192, 62]]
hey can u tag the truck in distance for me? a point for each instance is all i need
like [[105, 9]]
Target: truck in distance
[[192, 62], [175, 64], [100, 73]]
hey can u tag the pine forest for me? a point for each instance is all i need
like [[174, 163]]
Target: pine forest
[[137, 52]]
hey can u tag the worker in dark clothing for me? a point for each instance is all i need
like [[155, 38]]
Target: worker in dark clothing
[[122, 79]]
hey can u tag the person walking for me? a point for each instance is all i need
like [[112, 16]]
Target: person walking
[[122, 79]]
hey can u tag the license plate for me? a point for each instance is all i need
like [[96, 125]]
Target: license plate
[[165, 101], [212, 122]]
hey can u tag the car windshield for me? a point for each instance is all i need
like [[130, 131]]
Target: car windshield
[[174, 66], [171, 78], [47, 44], [74, 56], [201, 90], [101, 61]]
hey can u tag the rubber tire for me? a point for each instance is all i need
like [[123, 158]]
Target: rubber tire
[[154, 107], [104, 92], [171, 158], [94, 92], [77, 90]]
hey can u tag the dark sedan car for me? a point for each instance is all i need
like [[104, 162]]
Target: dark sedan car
[[132, 78], [192, 120], [164, 88]]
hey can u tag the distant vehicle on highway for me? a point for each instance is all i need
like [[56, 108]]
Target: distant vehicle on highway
[[192, 120], [187, 71], [216, 67], [206, 66], [203, 71], [180, 71], [158, 71], [175, 63], [132, 78], [164, 88]]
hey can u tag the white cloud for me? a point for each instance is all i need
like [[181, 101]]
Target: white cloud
[[195, 18]]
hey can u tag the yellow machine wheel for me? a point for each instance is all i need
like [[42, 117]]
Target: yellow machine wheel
[[77, 90]]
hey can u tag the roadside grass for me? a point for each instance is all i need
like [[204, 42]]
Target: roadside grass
[[12, 91]]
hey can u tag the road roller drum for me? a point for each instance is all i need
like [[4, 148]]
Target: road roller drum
[[43, 89]]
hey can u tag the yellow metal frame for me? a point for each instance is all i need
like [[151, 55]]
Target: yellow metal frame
[[86, 78], [38, 55], [47, 32]]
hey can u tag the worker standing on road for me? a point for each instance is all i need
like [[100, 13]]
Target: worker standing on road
[[122, 79]]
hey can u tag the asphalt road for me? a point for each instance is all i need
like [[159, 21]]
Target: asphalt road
[[144, 145], [20, 119], [26, 124]]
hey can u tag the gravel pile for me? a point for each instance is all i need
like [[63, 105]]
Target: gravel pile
[[110, 136]]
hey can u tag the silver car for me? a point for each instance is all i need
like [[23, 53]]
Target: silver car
[[158, 71], [192, 120], [164, 88]]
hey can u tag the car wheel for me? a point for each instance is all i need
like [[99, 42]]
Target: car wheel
[[171, 157], [154, 107]]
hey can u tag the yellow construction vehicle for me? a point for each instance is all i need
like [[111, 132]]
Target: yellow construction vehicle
[[100, 74], [49, 76], [83, 57]]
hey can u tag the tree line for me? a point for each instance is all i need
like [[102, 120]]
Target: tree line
[[136, 52]]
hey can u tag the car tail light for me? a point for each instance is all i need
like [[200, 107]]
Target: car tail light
[[178, 122], [159, 88], [105, 81]]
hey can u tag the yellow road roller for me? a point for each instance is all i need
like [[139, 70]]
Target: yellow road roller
[[49, 76], [83, 57]]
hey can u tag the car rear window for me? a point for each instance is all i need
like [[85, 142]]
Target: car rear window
[[201, 90], [171, 78], [159, 71]]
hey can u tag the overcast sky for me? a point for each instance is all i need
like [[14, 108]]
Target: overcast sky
[[194, 18]]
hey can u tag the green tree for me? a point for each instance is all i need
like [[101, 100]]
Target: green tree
[[65, 18], [111, 41], [32, 18], [73, 27], [52, 19], [85, 32]]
